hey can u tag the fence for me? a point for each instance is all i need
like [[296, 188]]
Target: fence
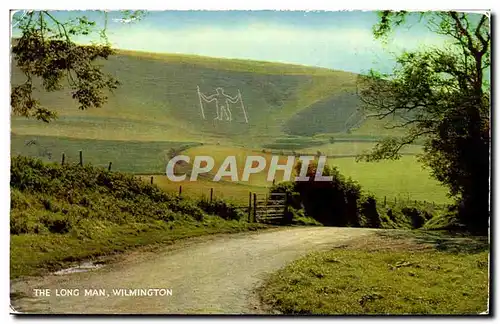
[[393, 201], [269, 208], [265, 207]]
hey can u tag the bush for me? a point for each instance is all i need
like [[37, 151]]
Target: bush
[[368, 210], [332, 203], [292, 196], [221, 208], [22, 222], [18, 200], [86, 191], [298, 217], [416, 217], [56, 223]]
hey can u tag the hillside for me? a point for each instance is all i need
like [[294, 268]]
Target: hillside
[[158, 101], [61, 214], [155, 112]]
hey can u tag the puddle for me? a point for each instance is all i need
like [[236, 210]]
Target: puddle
[[82, 267]]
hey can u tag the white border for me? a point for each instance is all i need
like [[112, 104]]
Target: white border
[[182, 5]]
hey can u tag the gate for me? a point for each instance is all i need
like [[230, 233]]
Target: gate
[[269, 208]]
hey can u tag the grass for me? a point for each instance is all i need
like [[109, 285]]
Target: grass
[[61, 214], [239, 65], [328, 115], [417, 274], [126, 156], [157, 101], [234, 192], [403, 179], [219, 153], [293, 143], [35, 254]]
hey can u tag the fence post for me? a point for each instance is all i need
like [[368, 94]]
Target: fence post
[[395, 200], [62, 159], [249, 206], [385, 201], [151, 179], [109, 166], [81, 158], [211, 194], [254, 208], [180, 190]]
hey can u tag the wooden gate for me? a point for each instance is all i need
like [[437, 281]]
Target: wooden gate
[[269, 208]]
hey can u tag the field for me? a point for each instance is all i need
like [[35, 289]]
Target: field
[[126, 156], [394, 273], [155, 113], [230, 191], [403, 179]]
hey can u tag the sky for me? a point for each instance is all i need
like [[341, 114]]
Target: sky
[[337, 40]]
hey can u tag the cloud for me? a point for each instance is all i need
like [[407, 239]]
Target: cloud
[[348, 48]]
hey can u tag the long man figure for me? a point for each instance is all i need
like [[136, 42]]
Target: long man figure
[[222, 111]]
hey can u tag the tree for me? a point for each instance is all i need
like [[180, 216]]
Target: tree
[[46, 50], [441, 97]]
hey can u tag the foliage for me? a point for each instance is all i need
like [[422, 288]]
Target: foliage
[[441, 95], [222, 208], [368, 211], [341, 202], [66, 213], [332, 203], [298, 217], [46, 50], [329, 202]]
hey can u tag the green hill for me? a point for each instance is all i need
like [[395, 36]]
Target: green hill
[[158, 101], [156, 112], [62, 214]]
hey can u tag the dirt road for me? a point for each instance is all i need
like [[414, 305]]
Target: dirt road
[[212, 275]]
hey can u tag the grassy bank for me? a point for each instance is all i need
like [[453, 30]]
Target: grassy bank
[[61, 214], [126, 156], [406, 273]]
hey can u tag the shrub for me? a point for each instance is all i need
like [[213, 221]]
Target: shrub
[[298, 217], [220, 208], [56, 223], [288, 188], [18, 200], [416, 217], [332, 203], [22, 222], [368, 210], [49, 205], [91, 192]]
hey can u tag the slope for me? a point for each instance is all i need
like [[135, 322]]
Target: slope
[[158, 101]]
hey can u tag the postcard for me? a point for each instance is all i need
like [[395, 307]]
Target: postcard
[[252, 162]]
